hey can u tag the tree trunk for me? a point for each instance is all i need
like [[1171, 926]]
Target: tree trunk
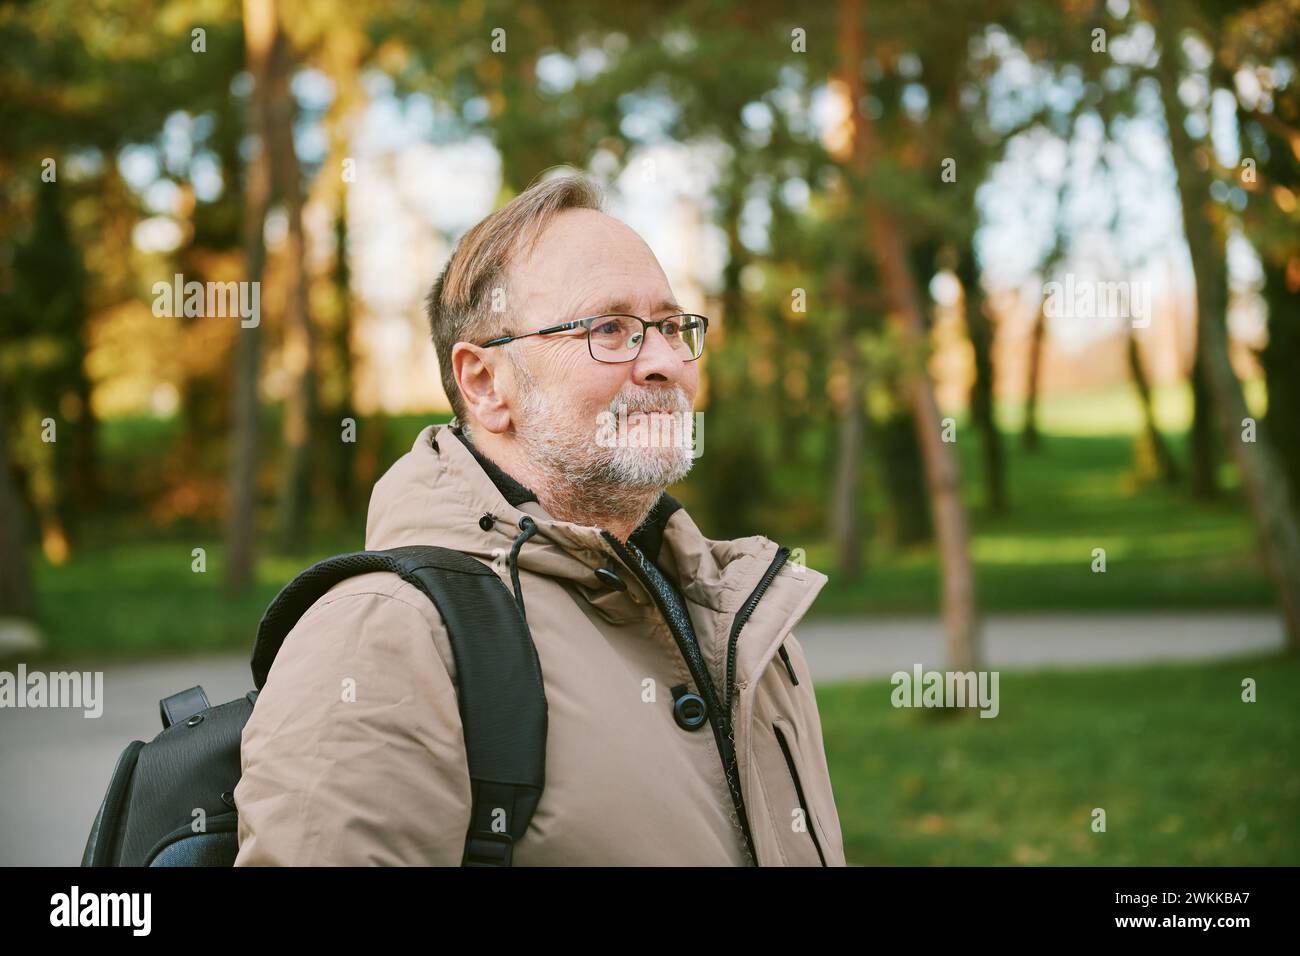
[[17, 599], [980, 330], [1029, 438], [260, 36], [342, 55], [1263, 480], [907, 520], [1166, 467], [85, 485], [299, 354], [941, 465], [890, 437], [343, 459], [1281, 360], [1205, 482]]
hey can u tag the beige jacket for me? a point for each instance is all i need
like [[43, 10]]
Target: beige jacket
[[383, 778]]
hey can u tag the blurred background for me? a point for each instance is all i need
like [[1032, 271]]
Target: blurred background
[[1006, 303]]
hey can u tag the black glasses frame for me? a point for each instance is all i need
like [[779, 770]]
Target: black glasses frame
[[587, 323]]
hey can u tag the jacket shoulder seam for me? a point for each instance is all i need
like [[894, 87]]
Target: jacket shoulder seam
[[425, 609]]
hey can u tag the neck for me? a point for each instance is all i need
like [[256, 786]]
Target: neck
[[620, 509]]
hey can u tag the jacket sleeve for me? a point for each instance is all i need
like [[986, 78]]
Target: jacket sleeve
[[354, 754], [810, 730]]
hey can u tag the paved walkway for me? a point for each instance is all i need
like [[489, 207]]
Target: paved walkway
[[878, 647], [55, 764]]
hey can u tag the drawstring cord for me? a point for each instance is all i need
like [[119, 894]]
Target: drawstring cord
[[529, 528]]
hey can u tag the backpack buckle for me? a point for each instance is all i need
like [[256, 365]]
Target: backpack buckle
[[488, 849]]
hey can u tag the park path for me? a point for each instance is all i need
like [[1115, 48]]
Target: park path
[[55, 764]]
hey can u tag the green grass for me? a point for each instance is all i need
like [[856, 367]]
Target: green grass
[[1186, 772], [1163, 551], [1081, 491], [144, 599]]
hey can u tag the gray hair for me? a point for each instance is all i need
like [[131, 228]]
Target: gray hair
[[460, 305]]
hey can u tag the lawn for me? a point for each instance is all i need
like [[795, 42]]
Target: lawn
[[1081, 491], [1163, 550], [1186, 772]]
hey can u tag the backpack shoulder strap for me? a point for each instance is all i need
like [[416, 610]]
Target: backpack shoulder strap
[[501, 697]]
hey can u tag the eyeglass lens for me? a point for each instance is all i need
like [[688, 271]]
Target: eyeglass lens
[[617, 338]]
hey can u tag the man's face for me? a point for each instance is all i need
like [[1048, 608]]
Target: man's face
[[567, 405]]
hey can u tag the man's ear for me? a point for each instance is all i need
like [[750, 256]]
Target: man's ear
[[481, 375]]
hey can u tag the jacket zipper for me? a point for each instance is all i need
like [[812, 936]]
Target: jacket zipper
[[742, 618], [785, 659], [798, 789], [700, 675]]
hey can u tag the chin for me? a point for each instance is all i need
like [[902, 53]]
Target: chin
[[655, 469]]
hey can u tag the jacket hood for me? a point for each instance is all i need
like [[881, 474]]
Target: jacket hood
[[439, 493]]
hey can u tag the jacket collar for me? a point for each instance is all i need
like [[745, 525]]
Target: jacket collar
[[438, 492]]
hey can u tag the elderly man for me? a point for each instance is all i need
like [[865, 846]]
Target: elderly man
[[683, 729]]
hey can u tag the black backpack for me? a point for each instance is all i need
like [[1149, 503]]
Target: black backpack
[[147, 816]]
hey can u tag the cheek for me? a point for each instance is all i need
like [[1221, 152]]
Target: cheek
[[579, 382], [691, 381], [600, 386]]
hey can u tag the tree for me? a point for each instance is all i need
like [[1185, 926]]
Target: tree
[[886, 239], [1029, 435], [980, 329], [17, 599], [45, 311], [299, 350], [261, 37], [1265, 484], [1254, 42]]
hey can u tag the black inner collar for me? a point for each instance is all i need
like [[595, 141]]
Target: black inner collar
[[511, 490]]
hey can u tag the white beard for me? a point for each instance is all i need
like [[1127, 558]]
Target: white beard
[[568, 447]]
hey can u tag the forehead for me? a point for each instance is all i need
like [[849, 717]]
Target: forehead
[[586, 261]]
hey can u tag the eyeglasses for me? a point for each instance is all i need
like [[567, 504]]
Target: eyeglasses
[[615, 337]]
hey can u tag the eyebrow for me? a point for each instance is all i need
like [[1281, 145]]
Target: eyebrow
[[623, 306]]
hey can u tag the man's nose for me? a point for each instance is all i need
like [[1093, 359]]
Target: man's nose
[[658, 361]]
